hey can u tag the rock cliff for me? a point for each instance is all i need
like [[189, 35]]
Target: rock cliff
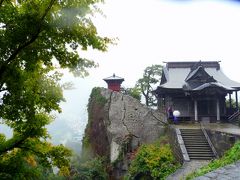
[[119, 124]]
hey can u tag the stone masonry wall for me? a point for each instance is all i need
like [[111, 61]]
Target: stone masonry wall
[[222, 141]]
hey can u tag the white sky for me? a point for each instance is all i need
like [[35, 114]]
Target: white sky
[[152, 31]]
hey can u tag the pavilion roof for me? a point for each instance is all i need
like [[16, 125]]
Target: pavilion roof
[[113, 77]]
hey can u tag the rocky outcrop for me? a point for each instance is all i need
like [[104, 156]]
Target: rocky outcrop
[[120, 124]]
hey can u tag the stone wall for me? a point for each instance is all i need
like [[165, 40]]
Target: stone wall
[[222, 141], [177, 144]]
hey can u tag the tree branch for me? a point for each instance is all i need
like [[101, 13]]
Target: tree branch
[[11, 144], [1, 2], [34, 37], [30, 149], [27, 43]]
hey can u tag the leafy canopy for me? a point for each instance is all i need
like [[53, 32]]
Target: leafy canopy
[[133, 92], [151, 76], [36, 38]]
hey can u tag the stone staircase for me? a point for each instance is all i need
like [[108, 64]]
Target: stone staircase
[[196, 144]]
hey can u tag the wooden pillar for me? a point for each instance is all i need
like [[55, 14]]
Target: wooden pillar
[[236, 99], [218, 111], [195, 111], [224, 107], [230, 102]]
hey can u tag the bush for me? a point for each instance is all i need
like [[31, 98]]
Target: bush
[[229, 157], [89, 169], [154, 161], [133, 92]]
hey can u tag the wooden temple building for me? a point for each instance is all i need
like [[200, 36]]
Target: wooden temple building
[[114, 82], [198, 90]]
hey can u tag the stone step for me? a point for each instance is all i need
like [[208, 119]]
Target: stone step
[[191, 132], [196, 144], [198, 148], [193, 136], [201, 158], [202, 153], [194, 140], [195, 132]]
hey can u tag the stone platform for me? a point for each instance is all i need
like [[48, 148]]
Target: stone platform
[[229, 172], [223, 127]]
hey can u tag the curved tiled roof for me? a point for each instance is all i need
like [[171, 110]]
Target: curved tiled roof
[[178, 73]]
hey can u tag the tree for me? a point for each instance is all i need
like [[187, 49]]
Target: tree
[[134, 92], [36, 39], [94, 168], [151, 76]]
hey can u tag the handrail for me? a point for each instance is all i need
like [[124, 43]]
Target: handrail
[[234, 115], [209, 142]]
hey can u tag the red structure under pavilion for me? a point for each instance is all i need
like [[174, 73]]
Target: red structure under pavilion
[[114, 82]]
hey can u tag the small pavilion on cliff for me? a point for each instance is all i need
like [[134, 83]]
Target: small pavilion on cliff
[[114, 82], [198, 90]]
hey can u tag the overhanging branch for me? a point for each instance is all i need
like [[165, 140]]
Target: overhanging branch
[[1, 2], [34, 36], [27, 43], [11, 144]]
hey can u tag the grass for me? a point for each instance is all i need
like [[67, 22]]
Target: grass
[[229, 157]]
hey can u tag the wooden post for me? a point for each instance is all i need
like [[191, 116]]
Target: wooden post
[[218, 111], [236, 100], [230, 101], [195, 110]]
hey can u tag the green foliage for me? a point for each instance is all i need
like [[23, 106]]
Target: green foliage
[[23, 164], [36, 39], [154, 161], [95, 100], [89, 169], [151, 76], [134, 92], [97, 97], [233, 103], [229, 157]]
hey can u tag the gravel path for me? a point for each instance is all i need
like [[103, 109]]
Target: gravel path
[[230, 172], [187, 168]]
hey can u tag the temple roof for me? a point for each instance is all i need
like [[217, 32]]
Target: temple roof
[[195, 76], [113, 78]]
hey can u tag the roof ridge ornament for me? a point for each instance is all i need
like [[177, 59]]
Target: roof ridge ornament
[[196, 65]]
